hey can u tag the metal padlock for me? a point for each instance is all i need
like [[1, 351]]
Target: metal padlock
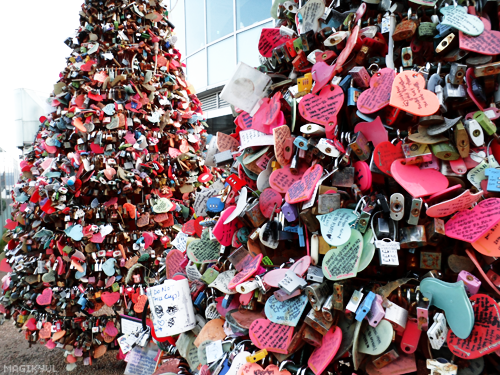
[[291, 282], [451, 91], [355, 301], [316, 320], [412, 237], [317, 294], [416, 153], [315, 274], [360, 147], [415, 207], [390, 355], [435, 232], [328, 203]]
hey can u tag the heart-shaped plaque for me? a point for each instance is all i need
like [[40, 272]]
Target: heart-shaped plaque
[[203, 250], [336, 226], [45, 298], [270, 336], [323, 108], [110, 298], [471, 225], [303, 189], [287, 312], [323, 355], [379, 94], [418, 182], [485, 335], [410, 95], [342, 262], [488, 43]]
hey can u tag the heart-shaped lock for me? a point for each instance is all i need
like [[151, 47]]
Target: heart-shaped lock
[[45, 298]]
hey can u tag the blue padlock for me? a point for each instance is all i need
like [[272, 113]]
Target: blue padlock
[[300, 142], [365, 306], [227, 300], [300, 231], [345, 83], [291, 229], [493, 175], [215, 205], [82, 302], [199, 300]]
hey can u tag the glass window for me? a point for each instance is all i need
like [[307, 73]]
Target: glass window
[[197, 70], [247, 44], [249, 12], [221, 61], [219, 19], [176, 15], [195, 25]]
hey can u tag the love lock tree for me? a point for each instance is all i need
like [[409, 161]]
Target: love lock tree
[[107, 183]]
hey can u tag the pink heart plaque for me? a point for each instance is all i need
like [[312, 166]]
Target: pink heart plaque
[[271, 336], [471, 225], [323, 355], [379, 93], [418, 182], [303, 189]]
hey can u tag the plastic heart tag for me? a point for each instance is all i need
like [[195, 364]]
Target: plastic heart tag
[[251, 266], [457, 17], [488, 43], [281, 179], [75, 232], [238, 362], [174, 263], [488, 243], [109, 266], [379, 93], [409, 94], [270, 39], [224, 232], [323, 355], [303, 189], [45, 298], [485, 335], [449, 207], [471, 225], [418, 182], [267, 200], [323, 108], [226, 142], [270, 336], [385, 154], [336, 226], [110, 329], [373, 131], [140, 304], [203, 250], [375, 340], [287, 312], [280, 135], [110, 298], [269, 115], [256, 369], [322, 73], [46, 331], [342, 262]]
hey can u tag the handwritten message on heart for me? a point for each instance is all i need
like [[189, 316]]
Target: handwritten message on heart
[[303, 189], [485, 335], [385, 154], [270, 336], [471, 225], [175, 263], [379, 93], [375, 340], [287, 312], [222, 282], [251, 266], [280, 135], [489, 243], [267, 200], [226, 142], [488, 43], [244, 121], [418, 182], [457, 17], [335, 226], [256, 369], [409, 94], [322, 74], [203, 250], [342, 262], [323, 108], [462, 202], [281, 179], [270, 39], [323, 355]]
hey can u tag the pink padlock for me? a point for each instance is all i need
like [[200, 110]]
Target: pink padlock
[[471, 282], [377, 312]]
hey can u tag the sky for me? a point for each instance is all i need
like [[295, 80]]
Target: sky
[[33, 51]]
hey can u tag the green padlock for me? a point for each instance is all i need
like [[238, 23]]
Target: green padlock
[[297, 44], [243, 234], [445, 151], [483, 120], [115, 287], [210, 275]]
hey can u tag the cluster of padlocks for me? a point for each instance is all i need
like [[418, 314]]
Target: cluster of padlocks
[[349, 225]]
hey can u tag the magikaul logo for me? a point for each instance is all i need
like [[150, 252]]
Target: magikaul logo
[[29, 369]]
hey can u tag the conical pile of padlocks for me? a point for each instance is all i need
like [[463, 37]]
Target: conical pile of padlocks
[[348, 226]]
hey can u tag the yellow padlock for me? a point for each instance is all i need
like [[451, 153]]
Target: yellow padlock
[[261, 354], [305, 83]]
